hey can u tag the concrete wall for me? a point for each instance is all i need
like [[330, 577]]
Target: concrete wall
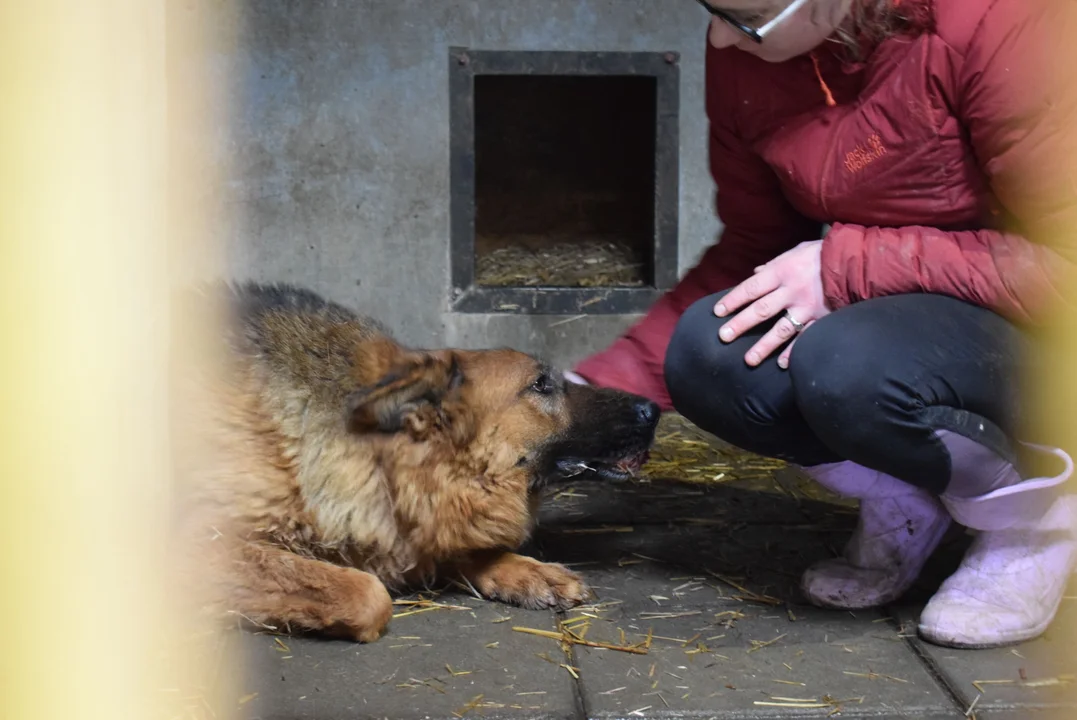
[[338, 158]]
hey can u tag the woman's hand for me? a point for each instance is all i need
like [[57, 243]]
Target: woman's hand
[[792, 283]]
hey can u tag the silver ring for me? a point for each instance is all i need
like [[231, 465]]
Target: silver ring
[[797, 327]]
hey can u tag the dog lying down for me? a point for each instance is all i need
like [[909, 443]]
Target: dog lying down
[[337, 465]]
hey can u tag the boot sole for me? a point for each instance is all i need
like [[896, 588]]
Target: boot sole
[[1024, 637], [886, 600], [960, 645]]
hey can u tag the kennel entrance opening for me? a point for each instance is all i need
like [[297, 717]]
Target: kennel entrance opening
[[564, 180]]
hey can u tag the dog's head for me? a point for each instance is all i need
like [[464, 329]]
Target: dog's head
[[476, 434]]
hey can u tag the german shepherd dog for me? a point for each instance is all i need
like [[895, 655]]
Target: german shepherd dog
[[338, 465]]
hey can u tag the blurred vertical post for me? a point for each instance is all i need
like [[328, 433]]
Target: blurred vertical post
[[1053, 387], [94, 222]]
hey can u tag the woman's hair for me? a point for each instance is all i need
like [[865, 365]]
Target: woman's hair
[[872, 21]]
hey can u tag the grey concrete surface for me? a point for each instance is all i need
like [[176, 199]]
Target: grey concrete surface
[[337, 160], [431, 664], [711, 574], [721, 655]]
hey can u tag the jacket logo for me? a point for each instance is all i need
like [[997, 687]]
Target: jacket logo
[[860, 157]]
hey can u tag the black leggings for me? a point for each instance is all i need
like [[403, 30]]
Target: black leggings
[[870, 383]]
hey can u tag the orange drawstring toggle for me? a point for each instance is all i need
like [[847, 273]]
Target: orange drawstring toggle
[[822, 83]]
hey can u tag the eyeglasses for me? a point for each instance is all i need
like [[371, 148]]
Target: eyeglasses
[[755, 33]]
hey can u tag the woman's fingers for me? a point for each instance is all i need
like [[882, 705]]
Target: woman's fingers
[[783, 359], [755, 287], [762, 309], [782, 332]]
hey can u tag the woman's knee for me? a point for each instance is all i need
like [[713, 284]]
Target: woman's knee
[[695, 354], [749, 407]]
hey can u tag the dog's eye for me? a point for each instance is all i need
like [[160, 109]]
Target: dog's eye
[[543, 385]]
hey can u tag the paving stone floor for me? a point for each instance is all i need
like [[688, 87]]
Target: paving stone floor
[[710, 571]]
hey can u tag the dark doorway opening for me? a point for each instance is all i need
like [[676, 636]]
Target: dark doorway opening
[[564, 180]]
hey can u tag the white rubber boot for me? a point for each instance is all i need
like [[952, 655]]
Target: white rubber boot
[[899, 527], [1012, 579]]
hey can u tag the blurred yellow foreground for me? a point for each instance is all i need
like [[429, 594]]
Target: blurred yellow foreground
[[99, 215]]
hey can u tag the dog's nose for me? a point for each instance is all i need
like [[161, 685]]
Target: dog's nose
[[647, 412]]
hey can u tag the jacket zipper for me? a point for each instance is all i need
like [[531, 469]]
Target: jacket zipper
[[827, 166]]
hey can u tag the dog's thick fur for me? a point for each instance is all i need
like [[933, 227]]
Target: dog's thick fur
[[336, 465]]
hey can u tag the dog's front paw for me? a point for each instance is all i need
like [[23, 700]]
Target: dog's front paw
[[361, 608], [531, 584]]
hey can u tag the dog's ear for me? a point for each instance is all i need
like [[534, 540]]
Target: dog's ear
[[407, 395]]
